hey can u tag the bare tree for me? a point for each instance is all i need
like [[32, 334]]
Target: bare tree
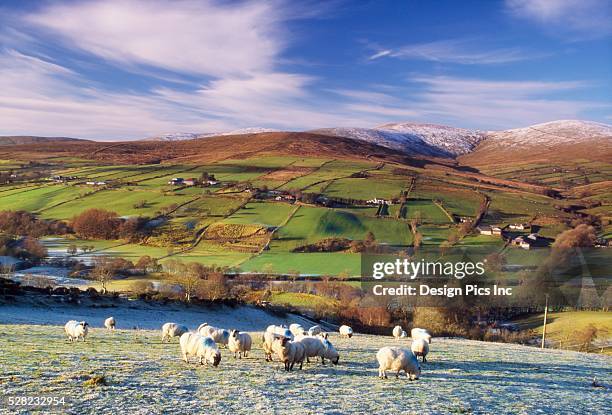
[[104, 271]]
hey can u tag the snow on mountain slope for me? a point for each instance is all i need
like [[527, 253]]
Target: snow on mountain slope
[[551, 133], [191, 136], [424, 139]]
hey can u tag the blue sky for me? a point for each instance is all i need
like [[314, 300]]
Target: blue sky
[[127, 69]]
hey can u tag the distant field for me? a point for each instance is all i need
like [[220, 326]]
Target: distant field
[[362, 189], [311, 224], [306, 264], [561, 328], [262, 213]]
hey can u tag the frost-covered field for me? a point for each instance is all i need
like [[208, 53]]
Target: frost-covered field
[[145, 376]]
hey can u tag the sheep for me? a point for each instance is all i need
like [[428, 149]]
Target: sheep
[[417, 333], [220, 336], [280, 331], [346, 331], [76, 329], [404, 334], [397, 359], [420, 347], [267, 339], [296, 329], [204, 348], [397, 332], [314, 330], [201, 326], [318, 346], [110, 323], [289, 352], [170, 330], [239, 343]]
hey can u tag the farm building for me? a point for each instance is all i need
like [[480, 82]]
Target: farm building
[[519, 226], [176, 181], [190, 182], [489, 230], [377, 201]]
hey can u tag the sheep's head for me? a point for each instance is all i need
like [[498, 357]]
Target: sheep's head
[[334, 356], [284, 341], [215, 358], [84, 323], [350, 335], [234, 333], [323, 335]]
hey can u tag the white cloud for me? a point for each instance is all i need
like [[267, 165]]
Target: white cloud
[[197, 37], [461, 51], [585, 19]]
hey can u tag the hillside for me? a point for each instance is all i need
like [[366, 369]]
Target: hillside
[[460, 376], [10, 140], [208, 149], [179, 136], [415, 138]]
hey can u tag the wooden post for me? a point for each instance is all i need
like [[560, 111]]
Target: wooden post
[[544, 329]]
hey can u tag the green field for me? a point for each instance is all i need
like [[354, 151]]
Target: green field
[[261, 213]]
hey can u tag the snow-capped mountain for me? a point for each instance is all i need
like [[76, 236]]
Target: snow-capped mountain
[[551, 133], [192, 136], [424, 139]]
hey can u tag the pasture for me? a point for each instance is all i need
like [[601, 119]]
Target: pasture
[[131, 371]]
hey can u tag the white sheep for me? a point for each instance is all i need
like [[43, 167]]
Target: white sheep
[[110, 323], [346, 331], [280, 331], [170, 330], [404, 334], [296, 329], [220, 336], [397, 359], [397, 332], [314, 330], [76, 330], [204, 348], [420, 347], [318, 346], [267, 339], [200, 326], [289, 352], [239, 343], [417, 333]]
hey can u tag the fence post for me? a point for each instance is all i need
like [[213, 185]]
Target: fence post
[[544, 329]]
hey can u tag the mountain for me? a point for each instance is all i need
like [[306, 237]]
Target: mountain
[[415, 138], [551, 133], [563, 140], [10, 140], [192, 136]]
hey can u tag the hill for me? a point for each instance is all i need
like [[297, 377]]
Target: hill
[[415, 138], [9, 140], [209, 149]]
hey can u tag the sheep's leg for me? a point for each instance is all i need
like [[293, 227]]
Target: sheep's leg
[[185, 358], [424, 360], [397, 375], [307, 360], [291, 366], [322, 360]]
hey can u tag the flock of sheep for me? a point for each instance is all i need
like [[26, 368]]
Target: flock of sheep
[[291, 345]]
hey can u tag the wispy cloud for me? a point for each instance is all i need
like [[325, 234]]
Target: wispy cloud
[[460, 51], [579, 19]]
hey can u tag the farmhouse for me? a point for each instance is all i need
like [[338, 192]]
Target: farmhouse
[[211, 182], [176, 181], [190, 182], [532, 240], [490, 230], [519, 226]]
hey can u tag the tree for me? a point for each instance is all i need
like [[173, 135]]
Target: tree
[[72, 249], [417, 240], [147, 264], [188, 277], [104, 271], [96, 224], [370, 239], [582, 236], [33, 248]]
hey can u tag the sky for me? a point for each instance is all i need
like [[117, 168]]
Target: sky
[[130, 69]]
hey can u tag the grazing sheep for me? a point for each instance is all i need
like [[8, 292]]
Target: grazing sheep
[[239, 343], [267, 339], [76, 330], [280, 331], [289, 352], [110, 323], [397, 332], [397, 359], [420, 347], [346, 331], [318, 346], [204, 348], [220, 336], [314, 330], [296, 329], [417, 333], [170, 330]]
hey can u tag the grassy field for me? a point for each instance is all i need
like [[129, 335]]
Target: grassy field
[[562, 327], [261, 213], [138, 374], [318, 263]]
